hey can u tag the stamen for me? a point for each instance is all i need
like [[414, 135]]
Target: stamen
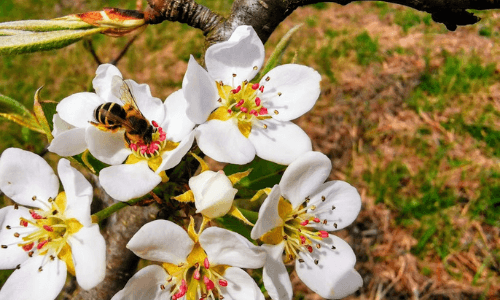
[[16, 234], [8, 227], [276, 112], [255, 86], [257, 101], [33, 198], [323, 198], [268, 78], [279, 94], [222, 282], [206, 263]]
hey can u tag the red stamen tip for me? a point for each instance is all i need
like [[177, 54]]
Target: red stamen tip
[[310, 249], [263, 111], [28, 247], [244, 109], [229, 111], [196, 274], [48, 228], [302, 239], [23, 223], [255, 86], [35, 216], [261, 89], [222, 282], [316, 220], [154, 123], [41, 244], [206, 263], [236, 90], [208, 283], [240, 103], [304, 223], [133, 147], [257, 101], [323, 234]]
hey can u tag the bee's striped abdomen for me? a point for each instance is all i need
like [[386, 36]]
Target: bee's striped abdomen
[[102, 112]]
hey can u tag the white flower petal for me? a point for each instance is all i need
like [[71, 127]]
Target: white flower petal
[[89, 256], [69, 143], [172, 158], [199, 91], [103, 82], [223, 141], [274, 275], [60, 125], [268, 214], [162, 241], [347, 204], [281, 142], [13, 255], [299, 88], [78, 109], [152, 108], [240, 286], [128, 181], [145, 284], [243, 55], [29, 283], [78, 192], [333, 277], [224, 247], [24, 174], [106, 146], [213, 193], [177, 124], [304, 176]]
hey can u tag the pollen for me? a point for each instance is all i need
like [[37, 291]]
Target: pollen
[[153, 149]]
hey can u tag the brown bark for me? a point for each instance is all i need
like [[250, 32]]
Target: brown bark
[[265, 15]]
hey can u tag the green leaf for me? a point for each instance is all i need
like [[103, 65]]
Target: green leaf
[[275, 57], [40, 41], [16, 112], [235, 225], [45, 25], [40, 116], [93, 164], [264, 174]]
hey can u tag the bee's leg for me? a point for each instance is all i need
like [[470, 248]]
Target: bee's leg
[[127, 139]]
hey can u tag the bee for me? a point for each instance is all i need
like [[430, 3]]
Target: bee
[[112, 116]]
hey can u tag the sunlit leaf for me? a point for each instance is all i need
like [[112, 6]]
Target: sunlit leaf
[[275, 57], [16, 112], [46, 25], [264, 174], [40, 41], [40, 116]]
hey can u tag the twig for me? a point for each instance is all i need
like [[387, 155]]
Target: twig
[[90, 47], [124, 50]]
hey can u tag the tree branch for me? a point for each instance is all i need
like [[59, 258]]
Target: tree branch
[[265, 15]]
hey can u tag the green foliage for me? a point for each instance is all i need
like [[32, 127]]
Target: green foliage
[[407, 19], [366, 49], [458, 75], [264, 174], [275, 58]]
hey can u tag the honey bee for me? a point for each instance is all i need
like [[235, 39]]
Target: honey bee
[[112, 116]]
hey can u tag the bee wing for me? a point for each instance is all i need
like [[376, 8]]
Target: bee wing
[[122, 91]]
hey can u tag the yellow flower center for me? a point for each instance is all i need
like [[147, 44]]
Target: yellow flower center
[[242, 104], [50, 232], [296, 230], [195, 279]]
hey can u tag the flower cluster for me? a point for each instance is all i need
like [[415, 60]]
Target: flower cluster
[[139, 138]]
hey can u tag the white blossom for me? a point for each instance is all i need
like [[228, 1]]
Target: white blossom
[[54, 237], [239, 119], [296, 219], [193, 264]]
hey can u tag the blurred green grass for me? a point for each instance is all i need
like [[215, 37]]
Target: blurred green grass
[[424, 198]]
